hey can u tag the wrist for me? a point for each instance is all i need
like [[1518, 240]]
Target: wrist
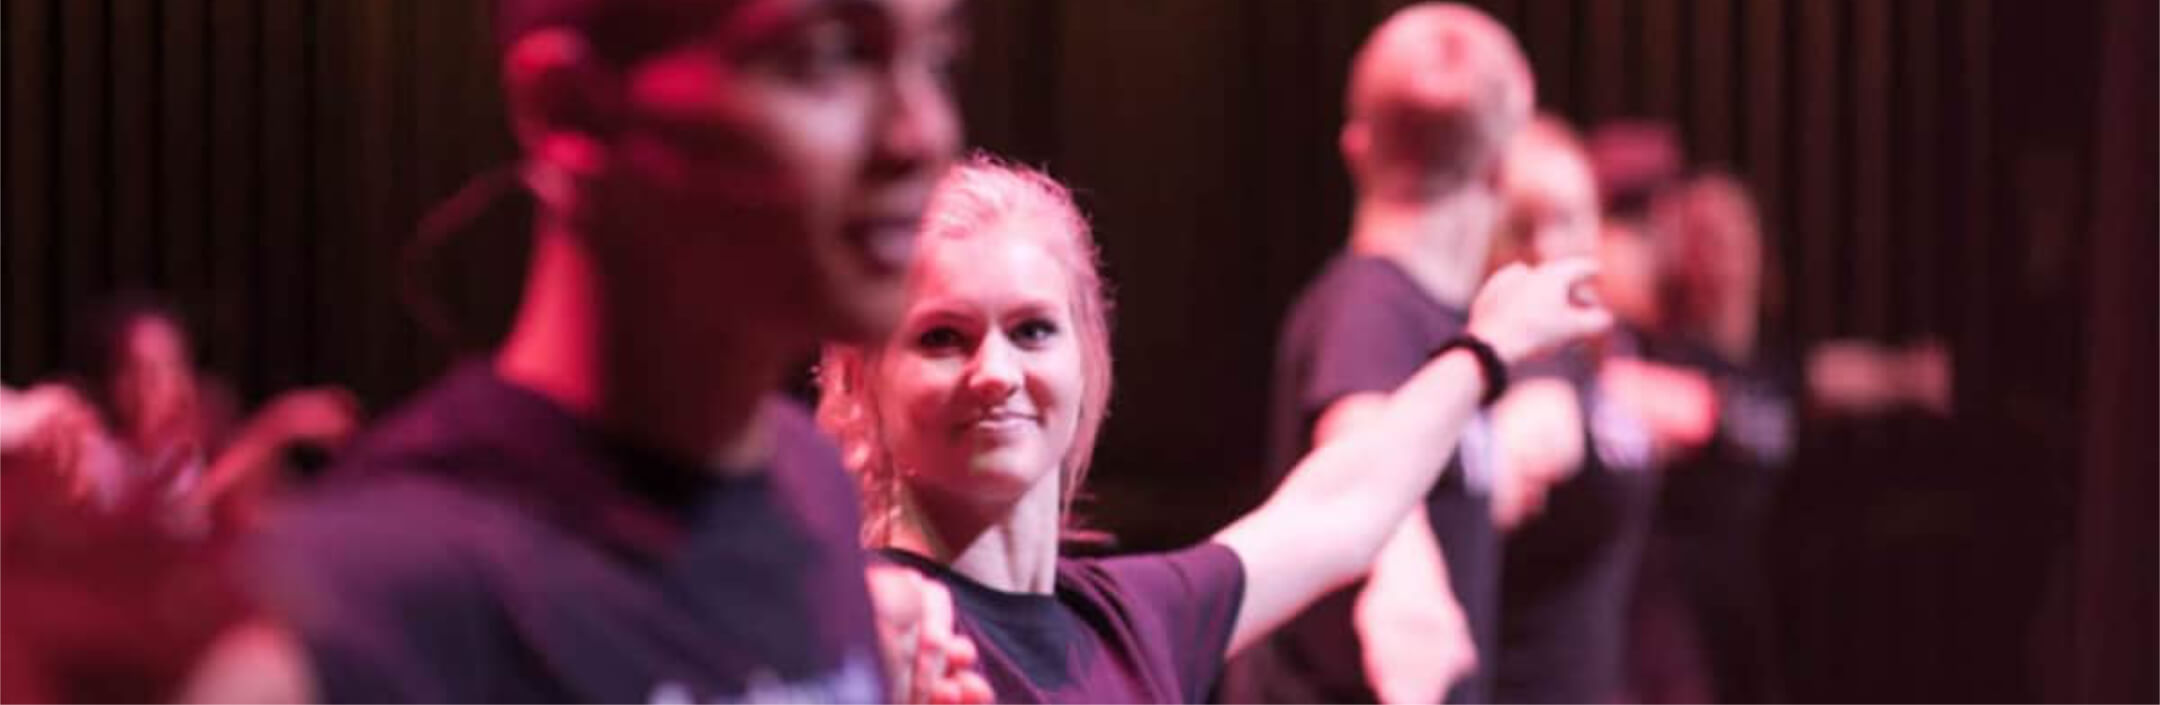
[[1509, 348], [1492, 364]]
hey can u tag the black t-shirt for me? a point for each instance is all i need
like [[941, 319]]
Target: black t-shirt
[[1569, 570], [1704, 571], [1725, 487], [485, 546], [1130, 629], [1365, 326]]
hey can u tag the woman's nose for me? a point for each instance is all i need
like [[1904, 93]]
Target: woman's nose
[[995, 372]]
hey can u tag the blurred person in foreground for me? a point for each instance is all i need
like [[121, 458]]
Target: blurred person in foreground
[[614, 506]]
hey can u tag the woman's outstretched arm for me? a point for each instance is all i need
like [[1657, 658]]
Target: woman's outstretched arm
[[1324, 525]]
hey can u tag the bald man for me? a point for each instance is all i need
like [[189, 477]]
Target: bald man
[[1436, 93]]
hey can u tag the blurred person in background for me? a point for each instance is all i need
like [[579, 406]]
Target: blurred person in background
[[1573, 455], [1435, 95], [1704, 624], [1702, 612], [172, 436]]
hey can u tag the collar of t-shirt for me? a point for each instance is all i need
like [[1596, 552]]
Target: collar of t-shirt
[[1024, 606]]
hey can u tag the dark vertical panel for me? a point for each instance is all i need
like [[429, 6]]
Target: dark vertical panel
[[1711, 130], [129, 172], [26, 239], [1283, 181], [1548, 34], [1606, 71], [1922, 240], [438, 143], [280, 277], [1508, 12], [1976, 340], [1869, 171], [988, 74], [2114, 644], [1659, 67], [82, 221], [338, 320], [1142, 77], [231, 340], [1819, 229], [495, 265], [183, 158], [1763, 109], [377, 144]]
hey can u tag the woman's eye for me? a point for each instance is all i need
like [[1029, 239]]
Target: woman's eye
[[939, 338], [1034, 331]]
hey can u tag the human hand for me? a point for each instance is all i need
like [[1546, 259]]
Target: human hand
[[1538, 443], [1522, 309], [1415, 640], [321, 415], [926, 658]]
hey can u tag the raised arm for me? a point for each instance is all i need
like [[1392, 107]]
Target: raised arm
[[1337, 507]]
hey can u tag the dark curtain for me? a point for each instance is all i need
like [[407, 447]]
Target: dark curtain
[[1977, 170]]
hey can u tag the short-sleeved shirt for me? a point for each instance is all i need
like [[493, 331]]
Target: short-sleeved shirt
[[1364, 325], [1568, 571], [1130, 629], [484, 545]]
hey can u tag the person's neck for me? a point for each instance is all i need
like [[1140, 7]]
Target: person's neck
[[1006, 546], [1440, 241], [675, 378]]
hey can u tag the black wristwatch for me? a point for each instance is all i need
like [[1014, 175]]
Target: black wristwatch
[[1488, 362]]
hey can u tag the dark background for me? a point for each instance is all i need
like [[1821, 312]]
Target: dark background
[[1977, 170]]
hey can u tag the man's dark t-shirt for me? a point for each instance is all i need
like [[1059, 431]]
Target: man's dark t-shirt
[[1365, 326], [1569, 570], [1131, 629], [485, 546], [1704, 574]]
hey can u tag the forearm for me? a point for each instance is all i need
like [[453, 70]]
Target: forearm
[[250, 454], [1387, 464], [1411, 552], [1410, 628], [1341, 504]]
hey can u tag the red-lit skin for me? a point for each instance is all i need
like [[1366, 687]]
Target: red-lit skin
[[708, 211], [711, 210], [154, 390]]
